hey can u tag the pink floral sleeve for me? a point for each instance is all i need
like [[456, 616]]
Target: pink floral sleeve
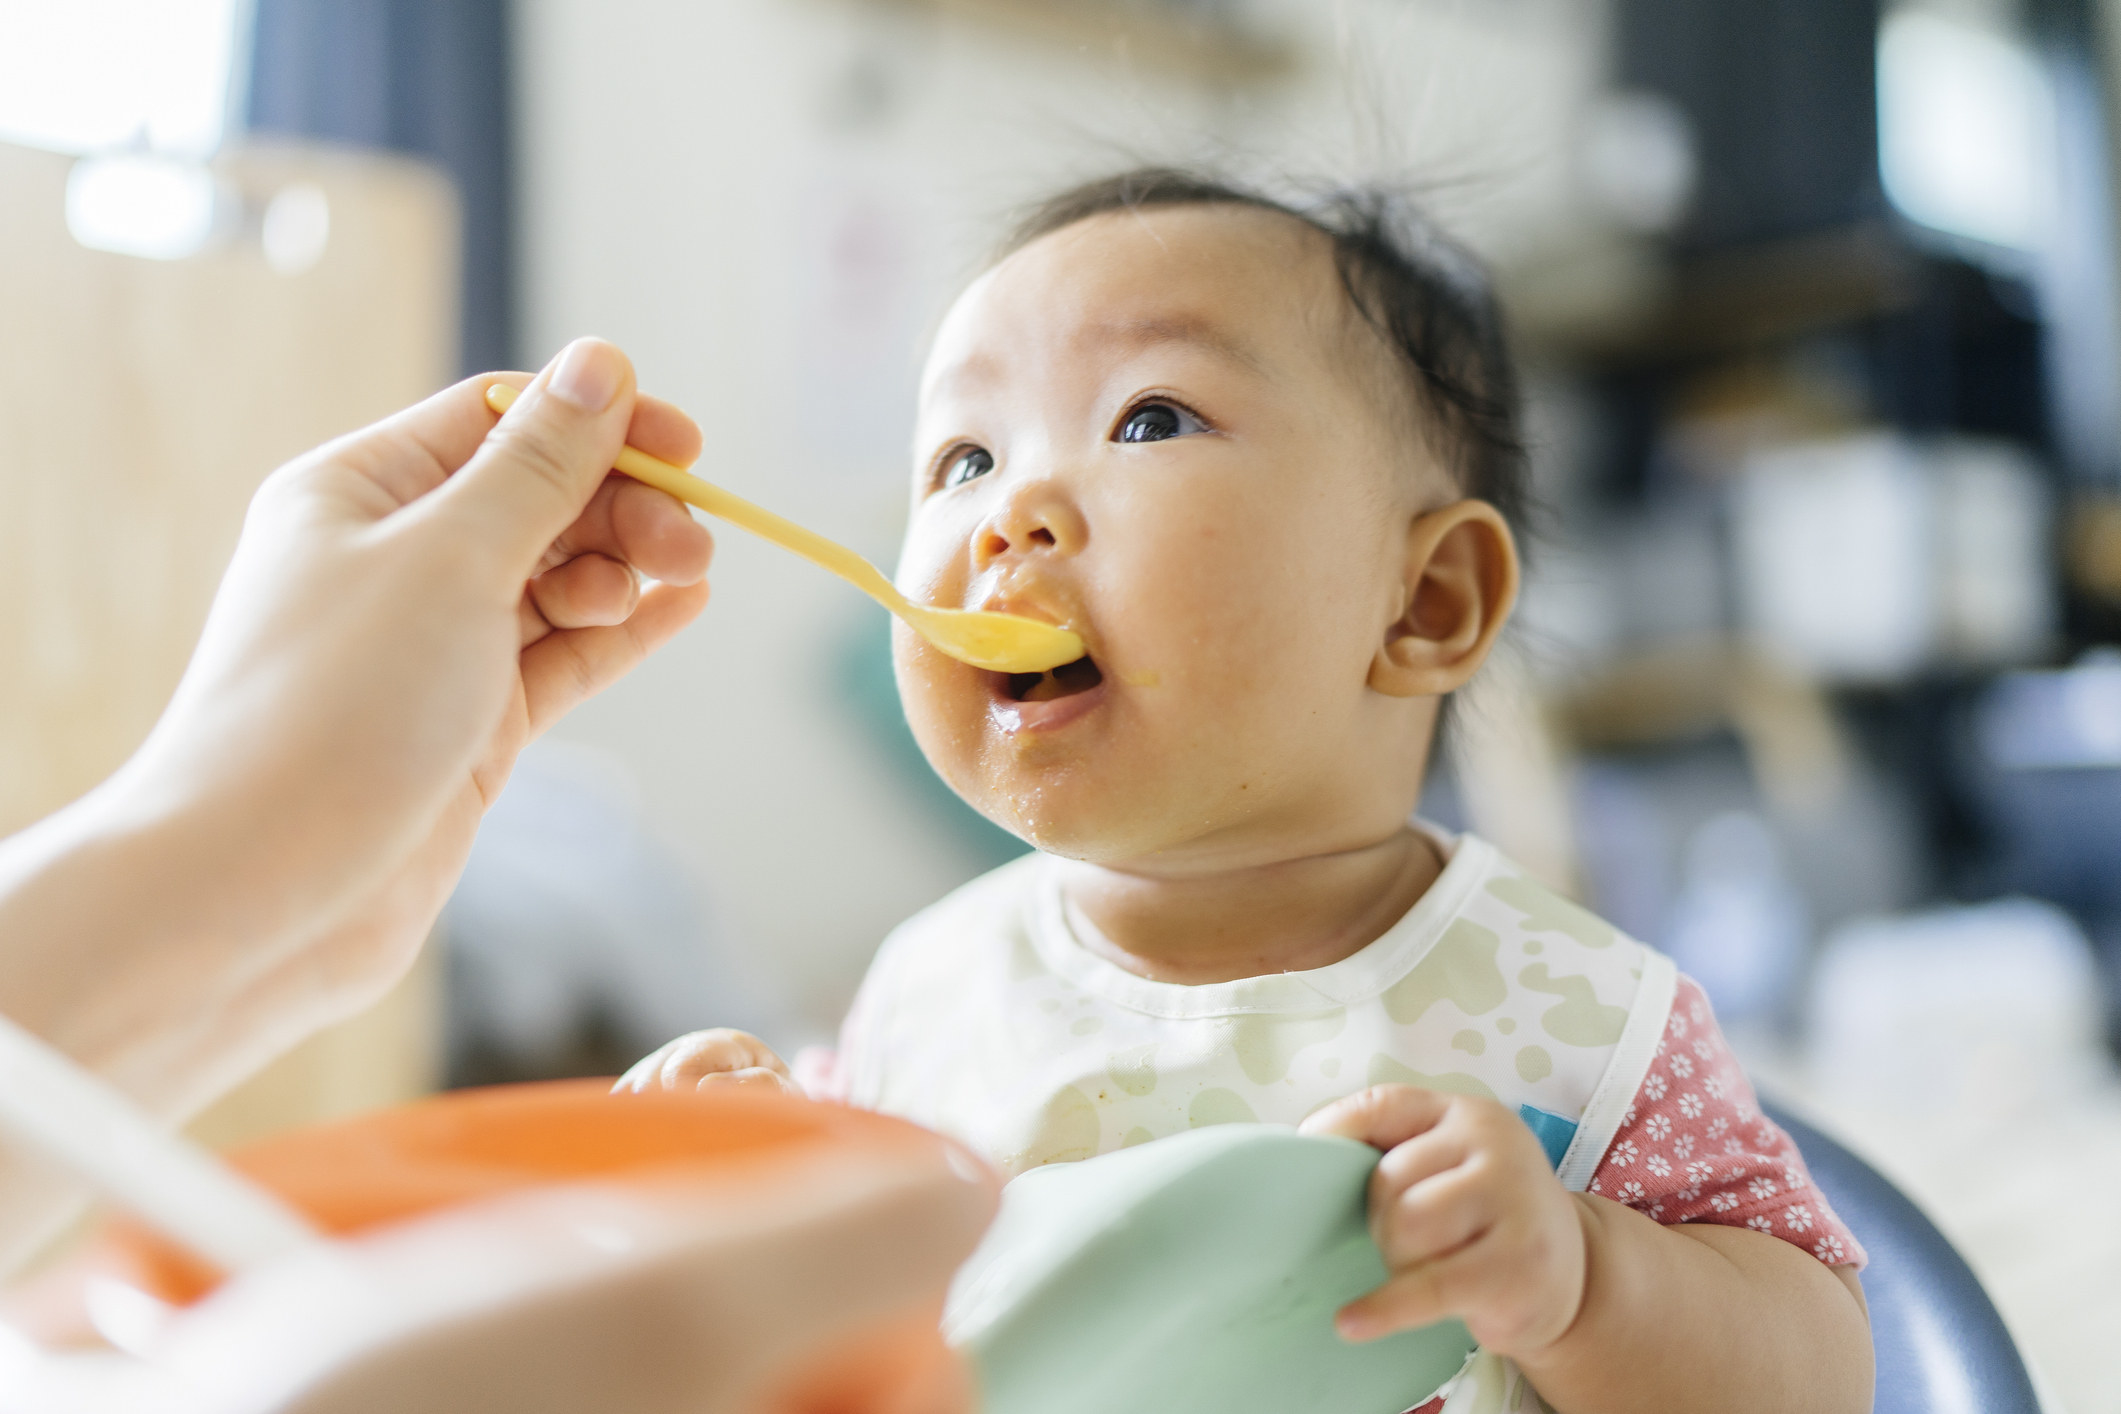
[[1695, 1148]]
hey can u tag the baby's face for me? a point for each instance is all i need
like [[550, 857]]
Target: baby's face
[[1160, 429]]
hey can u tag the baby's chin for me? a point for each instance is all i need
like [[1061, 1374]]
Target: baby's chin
[[1064, 836], [1113, 833]]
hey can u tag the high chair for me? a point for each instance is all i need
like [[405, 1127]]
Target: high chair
[[1942, 1346]]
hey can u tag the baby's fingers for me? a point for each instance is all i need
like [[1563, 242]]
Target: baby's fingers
[[1383, 1116], [642, 1075], [561, 670], [685, 1062], [1419, 1296], [690, 1059], [1421, 1158], [751, 1077], [1436, 1216]]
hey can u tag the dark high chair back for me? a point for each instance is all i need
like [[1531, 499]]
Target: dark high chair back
[[1942, 1347]]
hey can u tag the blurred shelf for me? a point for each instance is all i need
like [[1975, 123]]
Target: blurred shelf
[[1212, 39], [1737, 300]]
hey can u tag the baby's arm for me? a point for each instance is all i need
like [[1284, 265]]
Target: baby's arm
[[1601, 1307], [701, 1059]]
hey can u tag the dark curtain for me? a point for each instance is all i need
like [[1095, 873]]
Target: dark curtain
[[1783, 99], [428, 77]]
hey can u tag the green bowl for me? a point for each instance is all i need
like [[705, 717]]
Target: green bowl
[[1196, 1273]]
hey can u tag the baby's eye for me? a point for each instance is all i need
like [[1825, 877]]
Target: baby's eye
[[1154, 422], [971, 462]]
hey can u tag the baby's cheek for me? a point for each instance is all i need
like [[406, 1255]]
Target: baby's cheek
[[946, 714]]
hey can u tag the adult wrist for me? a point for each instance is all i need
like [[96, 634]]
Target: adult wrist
[[130, 933]]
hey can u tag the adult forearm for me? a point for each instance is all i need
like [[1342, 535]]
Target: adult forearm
[[126, 931], [118, 948], [1704, 1317]]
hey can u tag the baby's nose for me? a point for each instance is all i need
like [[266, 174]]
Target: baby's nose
[[1037, 516], [996, 541]]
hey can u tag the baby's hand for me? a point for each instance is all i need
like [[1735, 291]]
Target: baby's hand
[[703, 1058], [1469, 1216]]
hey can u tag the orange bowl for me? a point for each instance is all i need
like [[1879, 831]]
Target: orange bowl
[[726, 1147], [469, 1145]]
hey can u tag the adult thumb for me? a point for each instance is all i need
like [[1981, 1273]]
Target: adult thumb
[[538, 468]]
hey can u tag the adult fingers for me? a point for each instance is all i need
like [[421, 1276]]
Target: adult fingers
[[656, 534], [412, 452], [661, 430], [530, 624], [589, 591], [648, 529], [562, 669], [536, 471], [1383, 1116]]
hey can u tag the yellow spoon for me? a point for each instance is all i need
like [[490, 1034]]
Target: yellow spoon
[[1002, 643]]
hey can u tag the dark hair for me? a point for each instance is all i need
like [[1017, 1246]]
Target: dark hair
[[1425, 295]]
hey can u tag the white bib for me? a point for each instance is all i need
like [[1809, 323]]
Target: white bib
[[986, 1017]]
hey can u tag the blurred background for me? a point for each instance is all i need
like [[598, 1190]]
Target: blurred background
[[1818, 682]]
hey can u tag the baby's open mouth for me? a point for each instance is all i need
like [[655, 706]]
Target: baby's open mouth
[[1064, 681]]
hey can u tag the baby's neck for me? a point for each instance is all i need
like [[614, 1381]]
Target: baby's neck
[[1289, 915]]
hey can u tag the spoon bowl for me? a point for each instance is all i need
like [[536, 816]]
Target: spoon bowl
[[1001, 643]]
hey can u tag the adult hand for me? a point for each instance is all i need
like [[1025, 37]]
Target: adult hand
[[407, 608]]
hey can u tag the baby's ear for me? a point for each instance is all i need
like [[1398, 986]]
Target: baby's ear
[[1458, 583]]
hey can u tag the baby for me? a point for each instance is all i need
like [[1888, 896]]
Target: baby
[[1266, 462]]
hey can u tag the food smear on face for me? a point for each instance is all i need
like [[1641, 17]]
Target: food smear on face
[[1143, 677]]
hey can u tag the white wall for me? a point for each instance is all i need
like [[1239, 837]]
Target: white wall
[[769, 201]]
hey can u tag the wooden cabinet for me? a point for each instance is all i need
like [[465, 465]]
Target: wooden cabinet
[[141, 402]]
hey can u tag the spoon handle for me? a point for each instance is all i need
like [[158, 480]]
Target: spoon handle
[[726, 505]]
